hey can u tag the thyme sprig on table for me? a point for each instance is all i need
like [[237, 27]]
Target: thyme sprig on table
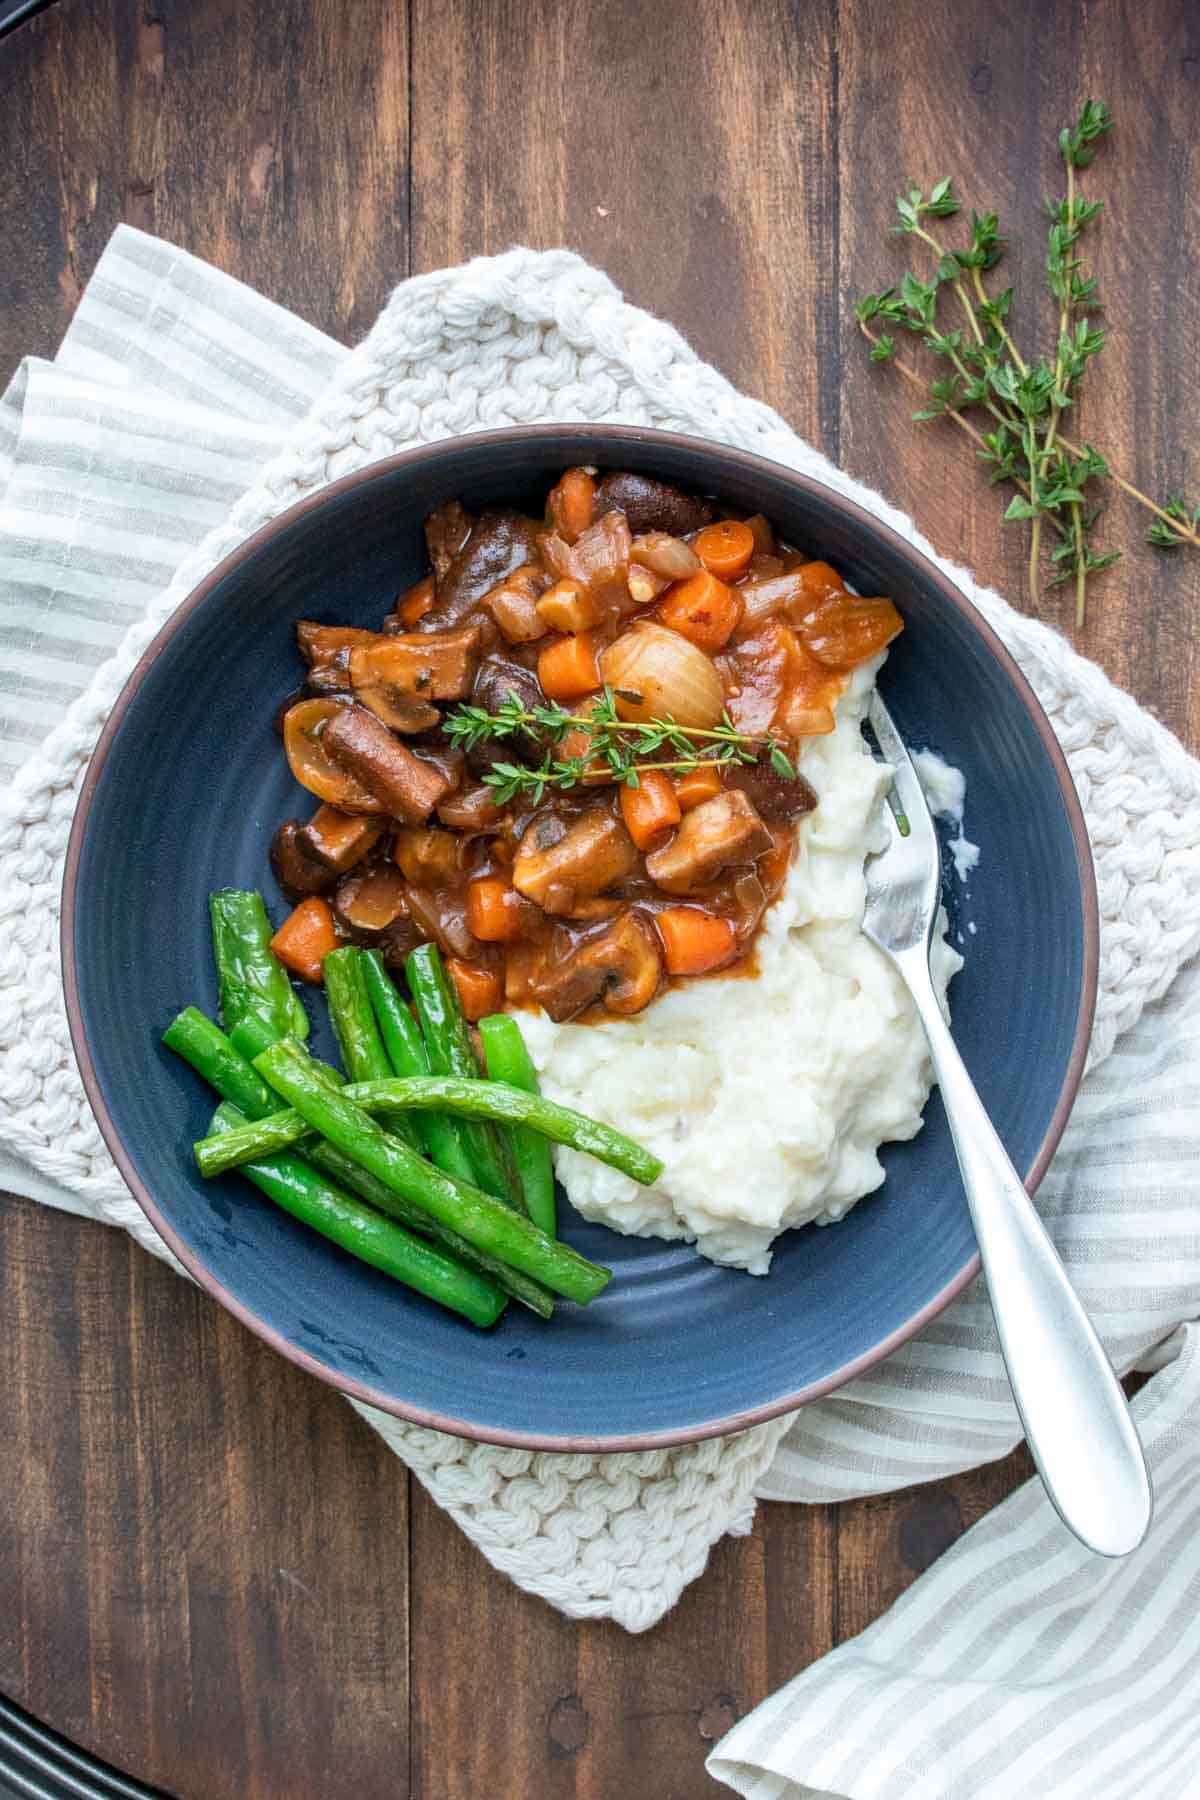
[[612, 747], [1025, 401]]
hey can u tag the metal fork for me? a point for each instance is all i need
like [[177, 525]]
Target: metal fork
[[1076, 1421]]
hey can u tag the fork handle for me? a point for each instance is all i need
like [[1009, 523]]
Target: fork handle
[[1077, 1423]]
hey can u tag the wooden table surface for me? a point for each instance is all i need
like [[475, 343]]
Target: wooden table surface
[[210, 1571]]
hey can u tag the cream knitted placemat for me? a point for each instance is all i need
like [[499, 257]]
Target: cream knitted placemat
[[510, 340]]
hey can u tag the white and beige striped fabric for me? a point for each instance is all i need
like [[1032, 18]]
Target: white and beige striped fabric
[[1018, 1665], [172, 388]]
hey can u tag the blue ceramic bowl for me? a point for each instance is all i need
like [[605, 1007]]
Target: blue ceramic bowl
[[183, 793]]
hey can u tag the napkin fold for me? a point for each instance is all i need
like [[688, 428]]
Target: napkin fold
[[182, 412]]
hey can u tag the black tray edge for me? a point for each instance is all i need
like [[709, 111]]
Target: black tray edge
[[38, 1764]]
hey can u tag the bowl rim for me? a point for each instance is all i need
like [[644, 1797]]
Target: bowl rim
[[749, 464]]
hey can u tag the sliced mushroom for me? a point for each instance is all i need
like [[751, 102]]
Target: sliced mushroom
[[440, 915], [499, 542], [402, 784], [429, 857], [620, 967], [446, 531], [399, 711], [500, 679], [330, 677], [297, 873], [429, 665], [593, 854], [720, 831], [321, 644], [399, 940], [472, 809], [446, 757], [651, 505], [776, 799], [284, 708], [368, 905], [339, 839], [304, 728]]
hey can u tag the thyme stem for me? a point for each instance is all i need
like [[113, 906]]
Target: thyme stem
[[620, 749], [956, 418], [1026, 399]]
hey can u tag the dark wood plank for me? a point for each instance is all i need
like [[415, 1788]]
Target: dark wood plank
[[58, 200], [979, 93], [670, 145], [208, 1580], [585, 1712], [269, 139], [886, 1542]]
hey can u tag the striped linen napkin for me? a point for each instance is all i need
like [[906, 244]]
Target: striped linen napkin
[[1019, 1665]]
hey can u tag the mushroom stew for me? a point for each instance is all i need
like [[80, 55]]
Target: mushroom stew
[[568, 755]]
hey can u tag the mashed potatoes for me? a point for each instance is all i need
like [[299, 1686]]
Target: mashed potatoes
[[767, 1098]]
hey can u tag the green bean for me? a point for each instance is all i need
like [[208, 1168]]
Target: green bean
[[250, 977], [442, 1136], [451, 1052], [215, 1057], [470, 1099], [354, 1027], [205, 1046], [347, 1173], [297, 1187], [482, 1219], [508, 1059], [363, 1054], [251, 1035]]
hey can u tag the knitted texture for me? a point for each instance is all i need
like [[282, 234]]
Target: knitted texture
[[517, 339]]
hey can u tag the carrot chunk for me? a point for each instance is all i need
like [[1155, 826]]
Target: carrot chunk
[[572, 504], [695, 941], [725, 548], [696, 786], [703, 610], [567, 669], [480, 990], [650, 810], [493, 910], [305, 938]]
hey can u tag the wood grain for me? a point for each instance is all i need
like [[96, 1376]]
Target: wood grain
[[979, 93], [205, 1565], [217, 1577], [660, 143], [569, 1710]]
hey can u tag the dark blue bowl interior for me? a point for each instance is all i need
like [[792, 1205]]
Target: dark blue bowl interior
[[195, 781]]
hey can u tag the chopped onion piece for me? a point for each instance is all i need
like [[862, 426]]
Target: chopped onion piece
[[665, 555], [763, 599]]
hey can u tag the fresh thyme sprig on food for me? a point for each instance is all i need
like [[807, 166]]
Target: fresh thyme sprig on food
[[612, 747], [1026, 401]]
